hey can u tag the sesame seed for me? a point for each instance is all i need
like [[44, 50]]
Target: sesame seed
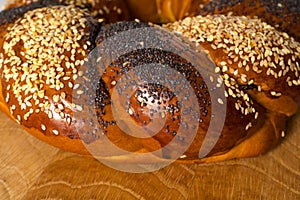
[[55, 132], [79, 108], [210, 38], [113, 83], [237, 106], [119, 11], [224, 69], [223, 63], [76, 86], [43, 127], [226, 94], [63, 95], [80, 92], [13, 107], [50, 114], [62, 115], [130, 111], [80, 73], [7, 98], [251, 82], [243, 78], [70, 84], [56, 98], [259, 88], [60, 106], [101, 20], [19, 118], [69, 120], [273, 93], [220, 101], [249, 125], [256, 115]]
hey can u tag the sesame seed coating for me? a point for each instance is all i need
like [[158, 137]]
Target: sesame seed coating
[[33, 64], [41, 54], [247, 52]]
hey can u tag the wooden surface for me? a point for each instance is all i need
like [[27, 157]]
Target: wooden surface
[[30, 169]]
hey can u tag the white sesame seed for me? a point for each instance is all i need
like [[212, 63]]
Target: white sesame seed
[[55, 132], [113, 83], [130, 111], [220, 101], [43, 127], [78, 107], [70, 84], [248, 126], [50, 114], [223, 63], [80, 92], [210, 38], [69, 120], [56, 98], [76, 86], [19, 118]]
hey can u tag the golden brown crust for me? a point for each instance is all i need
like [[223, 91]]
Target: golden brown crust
[[238, 61], [251, 52], [36, 85], [264, 139], [40, 65]]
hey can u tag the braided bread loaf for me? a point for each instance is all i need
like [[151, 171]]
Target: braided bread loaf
[[43, 46]]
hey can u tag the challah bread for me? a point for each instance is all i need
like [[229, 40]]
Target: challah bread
[[43, 48]]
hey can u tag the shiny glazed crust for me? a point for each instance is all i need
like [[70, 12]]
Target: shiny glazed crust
[[39, 70]]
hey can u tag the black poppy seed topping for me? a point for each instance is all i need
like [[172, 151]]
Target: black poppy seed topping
[[159, 100], [251, 44], [42, 52]]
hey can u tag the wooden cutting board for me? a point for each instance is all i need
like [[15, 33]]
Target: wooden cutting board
[[31, 169]]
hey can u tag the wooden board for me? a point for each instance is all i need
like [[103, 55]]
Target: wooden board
[[31, 169]]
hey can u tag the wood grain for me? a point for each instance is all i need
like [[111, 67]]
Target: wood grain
[[31, 169]]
